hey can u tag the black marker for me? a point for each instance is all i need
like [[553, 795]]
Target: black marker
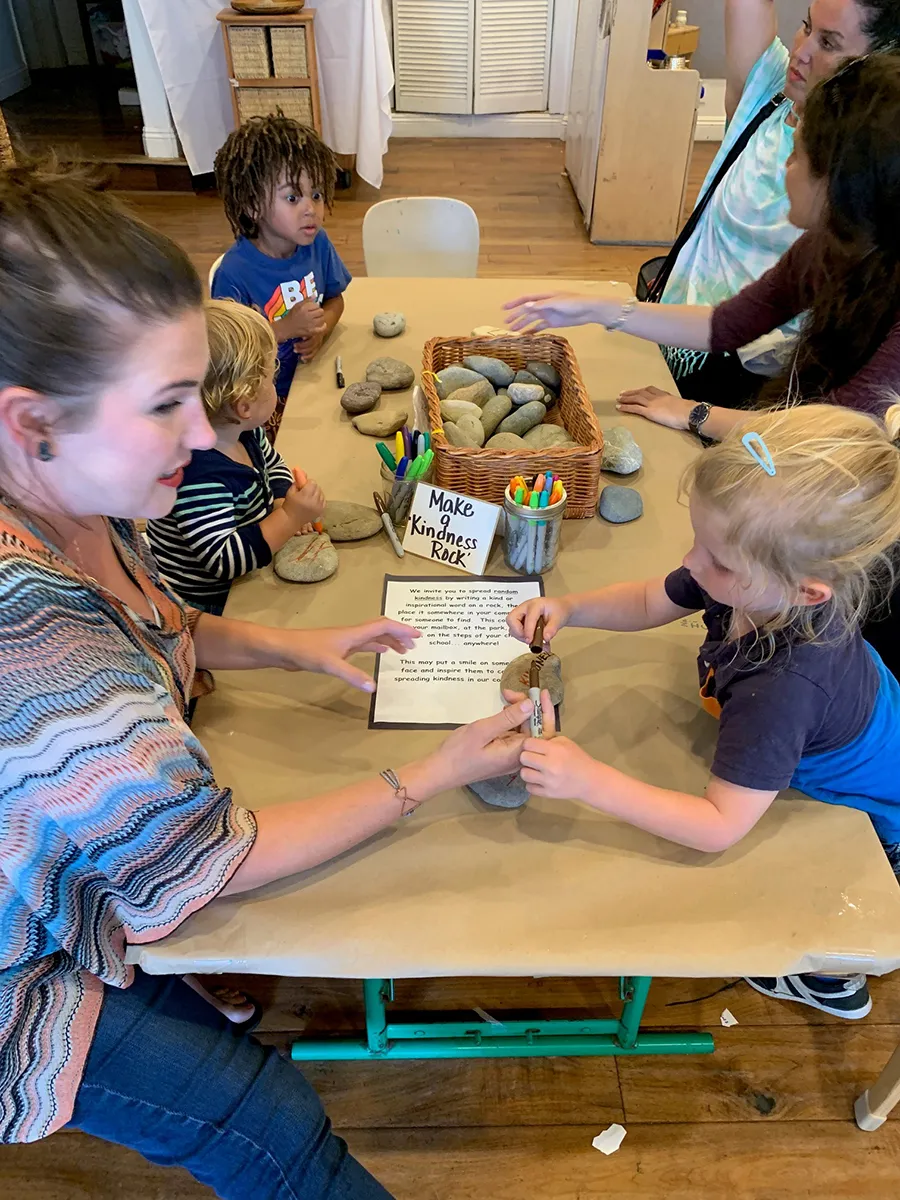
[[338, 372]]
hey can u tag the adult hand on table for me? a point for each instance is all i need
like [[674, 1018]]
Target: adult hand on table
[[524, 617], [553, 310], [656, 405], [484, 749], [326, 650]]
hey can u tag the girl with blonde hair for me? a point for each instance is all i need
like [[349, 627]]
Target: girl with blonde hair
[[795, 515]]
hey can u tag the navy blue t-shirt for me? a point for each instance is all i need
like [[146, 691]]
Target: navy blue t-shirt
[[274, 285], [809, 698]]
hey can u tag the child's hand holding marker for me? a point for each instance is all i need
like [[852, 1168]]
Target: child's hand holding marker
[[523, 620], [305, 503]]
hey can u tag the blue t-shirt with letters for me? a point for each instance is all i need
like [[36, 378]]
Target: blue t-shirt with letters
[[274, 285]]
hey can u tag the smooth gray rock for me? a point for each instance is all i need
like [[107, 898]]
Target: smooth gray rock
[[506, 791], [306, 558], [360, 397], [345, 521], [523, 419], [452, 409], [544, 437], [505, 441], [620, 504], [526, 377], [451, 379], [495, 369], [476, 393], [494, 412], [388, 324], [547, 374], [524, 393], [380, 424], [515, 677], [391, 373], [471, 429], [621, 453]]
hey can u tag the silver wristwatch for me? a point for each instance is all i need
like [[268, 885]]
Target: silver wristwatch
[[698, 416]]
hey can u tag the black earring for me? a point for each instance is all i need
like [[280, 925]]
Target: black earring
[[45, 454]]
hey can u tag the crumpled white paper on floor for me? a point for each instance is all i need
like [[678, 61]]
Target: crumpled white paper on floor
[[609, 1140]]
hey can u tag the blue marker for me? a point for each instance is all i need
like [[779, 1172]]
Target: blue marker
[[402, 466]]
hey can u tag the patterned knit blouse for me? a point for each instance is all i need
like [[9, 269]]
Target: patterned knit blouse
[[112, 827]]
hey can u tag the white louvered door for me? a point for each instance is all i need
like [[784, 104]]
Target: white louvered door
[[433, 55], [512, 55]]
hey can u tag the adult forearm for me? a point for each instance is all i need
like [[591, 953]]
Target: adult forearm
[[222, 644], [302, 834], [686, 325]]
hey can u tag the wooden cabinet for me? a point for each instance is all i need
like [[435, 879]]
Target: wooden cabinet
[[272, 65]]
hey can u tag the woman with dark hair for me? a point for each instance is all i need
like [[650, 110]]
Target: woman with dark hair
[[843, 181]]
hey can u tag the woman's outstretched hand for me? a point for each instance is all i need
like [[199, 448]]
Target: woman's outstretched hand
[[325, 651]]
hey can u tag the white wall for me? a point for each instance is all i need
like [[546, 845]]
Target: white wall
[[709, 15], [13, 72]]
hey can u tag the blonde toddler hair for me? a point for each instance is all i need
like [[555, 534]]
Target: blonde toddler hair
[[831, 511], [242, 355]]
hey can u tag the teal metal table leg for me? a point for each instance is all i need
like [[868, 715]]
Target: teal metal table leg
[[476, 1038]]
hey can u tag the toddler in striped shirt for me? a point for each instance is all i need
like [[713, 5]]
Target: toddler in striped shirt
[[239, 502]]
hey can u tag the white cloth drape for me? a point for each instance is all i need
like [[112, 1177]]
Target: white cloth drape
[[355, 77]]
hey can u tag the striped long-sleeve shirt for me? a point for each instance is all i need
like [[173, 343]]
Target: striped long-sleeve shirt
[[112, 826], [212, 534]]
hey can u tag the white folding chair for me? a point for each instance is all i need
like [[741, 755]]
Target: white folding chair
[[432, 236], [213, 269]]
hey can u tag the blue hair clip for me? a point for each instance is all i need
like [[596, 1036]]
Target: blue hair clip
[[759, 451]]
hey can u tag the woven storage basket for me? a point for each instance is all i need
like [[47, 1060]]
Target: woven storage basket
[[259, 102], [289, 52], [249, 53], [485, 474]]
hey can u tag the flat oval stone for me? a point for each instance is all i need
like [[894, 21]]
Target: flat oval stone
[[495, 369], [523, 419], [494, 412], [453, 409], [506, 791], [526, 377], [547, 374], [544, 437], [476, 393], [306, 558], [451, 379], [621, 453], [506, 441], [380, 424], [360, 397], [388, 324], [524, 393], [515, 677], [345, 521], [391, 373], [471, 429], [620, 504]]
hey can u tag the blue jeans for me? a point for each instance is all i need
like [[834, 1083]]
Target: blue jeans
[[166, 1076]]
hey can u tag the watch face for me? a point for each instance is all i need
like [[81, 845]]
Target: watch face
[[698, 415]]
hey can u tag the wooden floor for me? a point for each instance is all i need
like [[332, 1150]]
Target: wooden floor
[[767, 1117]]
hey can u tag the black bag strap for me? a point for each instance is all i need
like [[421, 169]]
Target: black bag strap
[[737, 149]]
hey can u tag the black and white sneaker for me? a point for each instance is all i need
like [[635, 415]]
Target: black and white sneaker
[[847, 997]]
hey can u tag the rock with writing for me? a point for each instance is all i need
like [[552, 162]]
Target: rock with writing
[[306, 558], [523, 419], [494, 412], [380, 424], [389, 324], [360, 398], [348, 522], [506, 791], [391, 373], [621, 453], [496, 370], [451, 379], [515, 677]]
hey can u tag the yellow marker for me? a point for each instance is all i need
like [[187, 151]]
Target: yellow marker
[[400, 448]]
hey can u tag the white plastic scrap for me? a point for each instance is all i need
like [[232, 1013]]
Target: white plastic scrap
[[609, 1140], [728, 1018]]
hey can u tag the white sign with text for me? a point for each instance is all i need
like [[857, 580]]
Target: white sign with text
[[452, 529]]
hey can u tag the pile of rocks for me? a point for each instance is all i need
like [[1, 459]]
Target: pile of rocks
[[485, 402], [359, 399], [311, 557]]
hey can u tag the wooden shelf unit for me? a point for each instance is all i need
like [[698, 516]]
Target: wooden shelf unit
[[272, 64]]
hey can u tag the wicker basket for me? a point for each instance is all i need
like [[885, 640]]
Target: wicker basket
[[249, 53], [485, 474], [289, 52], [260, 102]]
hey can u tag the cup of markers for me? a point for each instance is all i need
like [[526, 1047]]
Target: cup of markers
[[534, 509], [408, 462]]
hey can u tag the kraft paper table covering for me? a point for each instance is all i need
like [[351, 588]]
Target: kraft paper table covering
[[554, 888]]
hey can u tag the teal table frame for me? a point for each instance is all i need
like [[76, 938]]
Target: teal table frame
[[406, 1039]]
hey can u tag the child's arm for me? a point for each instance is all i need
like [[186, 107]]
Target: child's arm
[[303, 504], [622, 607], [309, 347]]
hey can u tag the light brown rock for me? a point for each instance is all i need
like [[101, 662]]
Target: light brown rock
[[381, 423]]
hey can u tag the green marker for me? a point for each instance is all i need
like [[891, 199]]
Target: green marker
[[389, 461]]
